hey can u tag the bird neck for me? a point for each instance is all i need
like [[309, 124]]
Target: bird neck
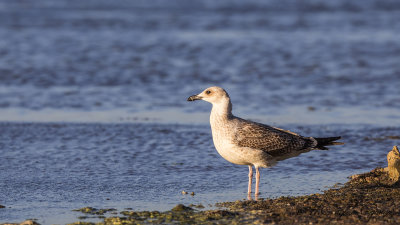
[[222, 110]]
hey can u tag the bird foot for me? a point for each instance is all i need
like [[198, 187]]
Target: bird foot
[[256, 196], [249, 196]]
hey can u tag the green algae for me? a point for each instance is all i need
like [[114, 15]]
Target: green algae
[[180, 214], [173, 217], [94, 211], [199, 206], [180, 207], [81, 223], [82, 217]]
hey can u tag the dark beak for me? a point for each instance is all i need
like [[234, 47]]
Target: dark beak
[[194, 98]]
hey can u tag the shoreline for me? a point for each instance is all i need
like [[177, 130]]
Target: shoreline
[[368, 198]]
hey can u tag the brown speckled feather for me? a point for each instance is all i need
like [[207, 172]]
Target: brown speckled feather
[[275, 142]]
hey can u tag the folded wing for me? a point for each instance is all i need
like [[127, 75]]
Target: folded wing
[[274, 141]]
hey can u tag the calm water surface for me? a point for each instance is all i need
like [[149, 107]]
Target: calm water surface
[[93, 96], [51, 168]]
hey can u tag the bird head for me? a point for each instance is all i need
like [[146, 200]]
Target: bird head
[[212, 95]]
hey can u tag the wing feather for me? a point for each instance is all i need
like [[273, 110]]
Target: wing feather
[[276, 142]]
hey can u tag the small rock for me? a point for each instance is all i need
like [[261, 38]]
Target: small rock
[[199, 206], [94, 211], [311, 108], [26, 222], [86, 210], [393, 158], [29, 222], [181, 207], [355, 176]]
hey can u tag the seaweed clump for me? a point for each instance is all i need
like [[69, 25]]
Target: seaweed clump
[[94, 211], [179, 214]]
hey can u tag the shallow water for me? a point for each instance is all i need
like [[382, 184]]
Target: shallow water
[[51, 168], [93, 98]]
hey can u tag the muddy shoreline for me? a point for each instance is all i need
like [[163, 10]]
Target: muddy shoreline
[[370, 198]]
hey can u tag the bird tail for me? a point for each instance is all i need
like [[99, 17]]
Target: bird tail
[[322, 142]]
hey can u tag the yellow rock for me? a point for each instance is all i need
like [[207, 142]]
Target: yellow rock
[[26, 222], [393, 168]]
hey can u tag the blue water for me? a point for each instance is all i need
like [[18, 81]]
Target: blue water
[[93, 96]]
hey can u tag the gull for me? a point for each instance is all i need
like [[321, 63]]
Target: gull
[[245, 142]]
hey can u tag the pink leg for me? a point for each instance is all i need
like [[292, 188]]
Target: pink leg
[[250, 181], [257, 183]]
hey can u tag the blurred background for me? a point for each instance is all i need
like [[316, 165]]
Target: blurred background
[[117, 58], [93, 96]]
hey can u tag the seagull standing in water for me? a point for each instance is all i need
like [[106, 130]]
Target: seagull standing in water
[[245, 142]]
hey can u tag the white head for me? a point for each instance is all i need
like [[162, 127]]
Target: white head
[[218, 97], [214, 95]]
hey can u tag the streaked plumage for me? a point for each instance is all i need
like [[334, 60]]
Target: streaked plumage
[[275, 142]]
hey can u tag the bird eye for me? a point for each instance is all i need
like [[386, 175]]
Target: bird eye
[[208, 92]]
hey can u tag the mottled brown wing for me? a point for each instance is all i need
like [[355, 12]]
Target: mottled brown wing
[[276, 142]]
